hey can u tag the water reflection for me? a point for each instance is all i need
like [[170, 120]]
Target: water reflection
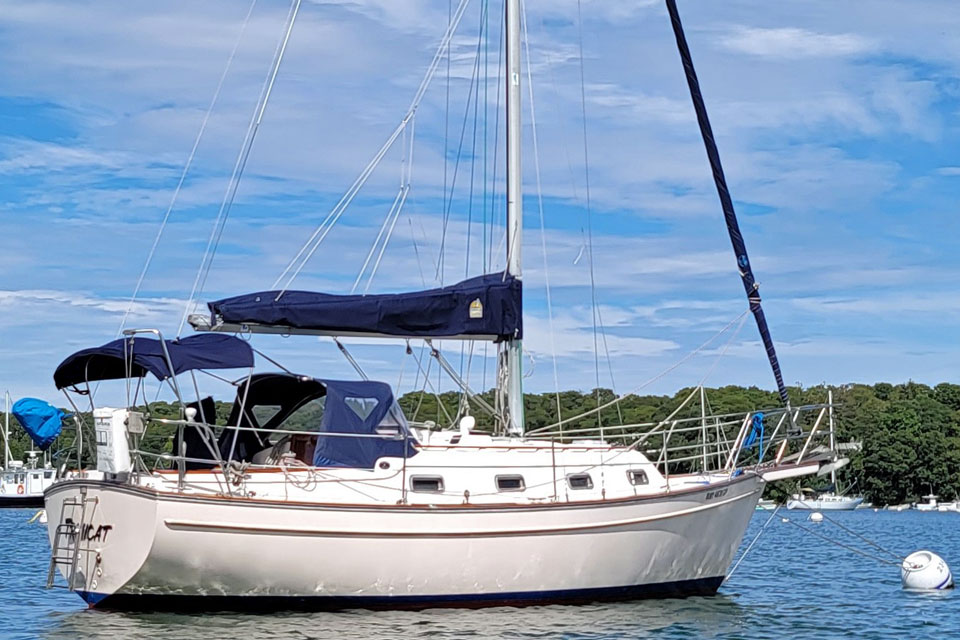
[[791, 585], [692, 617]]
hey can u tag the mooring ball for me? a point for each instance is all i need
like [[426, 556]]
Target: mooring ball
[[816, 516], [925, 571]]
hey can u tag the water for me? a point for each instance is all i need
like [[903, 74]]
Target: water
[[791, 585]]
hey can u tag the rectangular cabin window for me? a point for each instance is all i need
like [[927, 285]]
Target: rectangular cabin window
[[426, 484], [638, 477], [48, 474], [580, 481], [510, 483]]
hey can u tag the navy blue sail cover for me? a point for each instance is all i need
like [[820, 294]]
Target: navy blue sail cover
[[487, 305], [106, 362], [361, 407]]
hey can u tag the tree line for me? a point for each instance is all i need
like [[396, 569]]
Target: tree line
[[910, 433]]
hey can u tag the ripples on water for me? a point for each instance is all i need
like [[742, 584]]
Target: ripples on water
[[792, 585]]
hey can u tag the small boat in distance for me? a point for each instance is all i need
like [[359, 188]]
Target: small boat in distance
[[929, 504], [22, 484], [827, 500]]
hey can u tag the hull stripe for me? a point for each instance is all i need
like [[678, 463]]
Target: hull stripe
[[196, 525], [187, 603]]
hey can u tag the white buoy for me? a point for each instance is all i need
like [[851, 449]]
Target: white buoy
[[925, 571], [816, 516]]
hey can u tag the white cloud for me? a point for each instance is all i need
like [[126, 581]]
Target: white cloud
[[792, 42]]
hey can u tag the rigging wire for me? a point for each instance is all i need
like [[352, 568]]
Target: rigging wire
[[446, 141], [646, 383], [186, 168], [474, 82], [309, 248], [239, 166], [543, 233], [842, 545], [873, 544], [482, 37], [752, 542], [586, 173]]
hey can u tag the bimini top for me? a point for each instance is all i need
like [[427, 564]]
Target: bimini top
[[203, 351], [487, 307]]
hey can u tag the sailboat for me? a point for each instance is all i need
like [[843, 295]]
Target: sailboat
[[829, 500], [368, 509], [22, 484]]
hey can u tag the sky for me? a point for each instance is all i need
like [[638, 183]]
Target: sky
[[838, 124]]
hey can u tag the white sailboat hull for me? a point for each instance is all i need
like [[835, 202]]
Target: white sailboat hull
[[827, 503], [144, 549]]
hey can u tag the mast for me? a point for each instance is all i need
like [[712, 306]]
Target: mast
[[6, 432], [512, 355], [703, 425], [833, 445]]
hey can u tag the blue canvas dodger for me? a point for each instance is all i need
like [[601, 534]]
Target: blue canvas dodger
[[361, 407]]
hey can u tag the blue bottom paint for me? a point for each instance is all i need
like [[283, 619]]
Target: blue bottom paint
[[184, 603]]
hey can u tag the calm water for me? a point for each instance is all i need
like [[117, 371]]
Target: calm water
[[791, 585]]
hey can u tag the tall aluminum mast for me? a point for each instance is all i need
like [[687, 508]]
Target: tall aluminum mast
[[6, 432], [512, 354]]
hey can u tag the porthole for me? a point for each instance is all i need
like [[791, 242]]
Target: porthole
[[638, 477], [426, 484], [580, 481], [510, 483]]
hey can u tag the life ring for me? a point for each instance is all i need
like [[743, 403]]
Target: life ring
[[20, 489]]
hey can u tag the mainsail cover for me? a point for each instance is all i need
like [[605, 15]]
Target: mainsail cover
[[485, 307], [750, 284]]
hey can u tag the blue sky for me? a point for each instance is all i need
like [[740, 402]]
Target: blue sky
[[837, 123]]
